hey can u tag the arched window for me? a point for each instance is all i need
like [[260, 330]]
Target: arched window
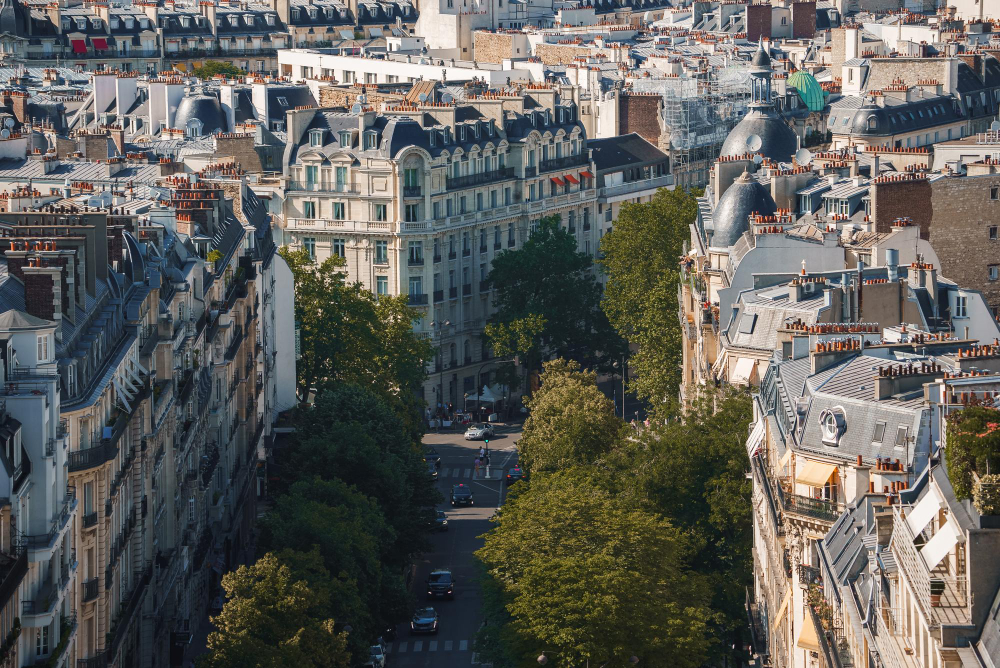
[[872, 122]]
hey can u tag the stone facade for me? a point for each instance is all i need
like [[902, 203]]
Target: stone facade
[[239, 147], [560, 54], [883, 71], [493, 47], [838, 49]]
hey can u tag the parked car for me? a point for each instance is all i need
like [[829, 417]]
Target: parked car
[[461, 495], [479, 432], [432, 470], [441, 521], [431, 455], [425, 620], [441, 584], [514, 474], [377, 653]]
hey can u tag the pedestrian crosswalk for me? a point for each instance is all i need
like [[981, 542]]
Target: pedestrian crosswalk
[[459, 472], [415, 646]]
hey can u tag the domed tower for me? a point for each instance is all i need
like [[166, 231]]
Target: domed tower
[[777, 140], [731, 217]]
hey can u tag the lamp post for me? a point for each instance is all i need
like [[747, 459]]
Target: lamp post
[[440, 367]]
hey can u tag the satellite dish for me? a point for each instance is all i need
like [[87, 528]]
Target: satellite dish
[[447, 98], [9, 122], [758, 158], [5, 133], [422, 97], [994, 126], [803, 156], [356, 109], [754, 142]]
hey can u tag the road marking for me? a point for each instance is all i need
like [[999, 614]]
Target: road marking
[[447, 645], [432, 646], [418, 645], [468, 472], [444, 473], [402, 647], [463, 645]]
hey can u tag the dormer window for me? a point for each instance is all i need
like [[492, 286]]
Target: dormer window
[[833, 424], [129, 24], [295, 14], [432, 136], [81, 24], [248, 19], [370, 137], [345, 139], [561, 112], [461, 133], [185, 21], [96, 23], [142, 24], [315, 137], [114, 23], [312, 12], [489, 130], [234, 20], [270, 19], [65, 25]]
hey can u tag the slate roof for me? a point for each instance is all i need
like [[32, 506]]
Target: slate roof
[[631, 150], [763, 312]]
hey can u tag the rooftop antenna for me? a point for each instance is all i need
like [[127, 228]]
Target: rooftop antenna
[[803, 157], [754, 142]]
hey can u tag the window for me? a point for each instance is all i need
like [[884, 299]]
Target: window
[[381, 252], [379, 212], [340, 174], [993, 232], [879, 432], [309, 209], [338, 211], [993, 271], [496, 235], [283, 101], [416, 252], [312, 174], [309, 243], [42, 641], [381, 285], [412, 212], [961, 306], [345, 139], [369, 140], [995, 193], [416, 285], [902, 432], [465, 243], [411, 177], [43, 348], [338, 247], [510, 234], [482, 271], [316, 138]]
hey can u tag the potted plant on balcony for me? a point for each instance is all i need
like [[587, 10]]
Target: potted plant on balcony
[[986, 493], [937, 588]]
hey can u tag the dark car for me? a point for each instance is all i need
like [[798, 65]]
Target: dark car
[[424, 620], [461, 495], [431, 455], [432, 470], [515, 474], [441, 584], [441, 521]]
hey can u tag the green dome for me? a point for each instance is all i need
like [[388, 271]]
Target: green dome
[[809, 89]]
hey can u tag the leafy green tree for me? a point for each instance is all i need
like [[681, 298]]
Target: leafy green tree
[[591, 576], [276, 617], [640, 258], [547, 301], [212, 67], [973, 447], [694, 471], [349, 335], [570, 422]]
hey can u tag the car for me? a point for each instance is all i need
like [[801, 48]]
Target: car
[[441, 521], [377, 653], [431, 455], [441, 584], [461, 495], [432, 470], [479, 432], [425, 620], [514, 474]]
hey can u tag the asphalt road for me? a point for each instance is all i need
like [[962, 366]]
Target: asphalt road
[[459, 619]]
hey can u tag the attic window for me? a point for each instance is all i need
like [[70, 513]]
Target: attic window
[[96, 23], [270, 19], [81, 24], [369, 140], [312, 12], [315, 137], [234, 20], [879, 432], [114, 24], [833, 424], [345, 139], [432, 136], [902, 432], [283, 101], [129, 23], [747, 323], [185, 21], [295, 15], [461, 133]]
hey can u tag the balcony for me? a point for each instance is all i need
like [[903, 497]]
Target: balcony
[[415, 262], [484, 286], [764, 484], [497, 245], [58, 523], [90, 520], [467, 289], [758, 628], [99, 660], [438, 296], [563, 163], [417, 299], [320, 187], [437, 259], [412, 191], [457, 182], [452, 293], [530, 172], [631, 187], [91, 588], [127, 612], [796, 504], [466, 252], [13, 568]]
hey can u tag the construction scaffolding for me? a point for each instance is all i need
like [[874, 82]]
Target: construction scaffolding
[[698, 113]]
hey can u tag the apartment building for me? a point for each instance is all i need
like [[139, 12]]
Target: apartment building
[[420, 197]]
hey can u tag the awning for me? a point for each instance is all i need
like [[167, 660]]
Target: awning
[[925, 510], [743, 370], [782, 609], [571, 178], [558, 181], [808, 638], [79, 46], [815, 474], [785, 458], [756, 438], [586, 175], [100, 43], [938, 547]]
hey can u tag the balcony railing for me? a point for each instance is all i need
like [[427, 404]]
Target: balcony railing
[[797, 504], [12, 573], [636, 186], [484, 286], [758, 628], [438, 296], [456, 182], [58, 522], [530, 172], [564, 163], [415, 262], [412, 191], [127, 611], [90, 520], [467, 289], [91, 588], [452, 293], [417, 299], [313, 186]]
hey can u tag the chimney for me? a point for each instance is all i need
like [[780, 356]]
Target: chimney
[[892, 263], [118, 137], [42, 290], [861, 478]]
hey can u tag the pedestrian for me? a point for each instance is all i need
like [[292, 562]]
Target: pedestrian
[[476, 469], [482, 452]]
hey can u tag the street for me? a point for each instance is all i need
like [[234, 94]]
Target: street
[[459, 619]]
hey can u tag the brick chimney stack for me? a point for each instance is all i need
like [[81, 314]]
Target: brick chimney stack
[[43, 290]]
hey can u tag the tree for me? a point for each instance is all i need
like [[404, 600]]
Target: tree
[[276, 618], [571, 422], [349, 335], [213, 67], [640, 258], [548, 301], [590, 576]]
